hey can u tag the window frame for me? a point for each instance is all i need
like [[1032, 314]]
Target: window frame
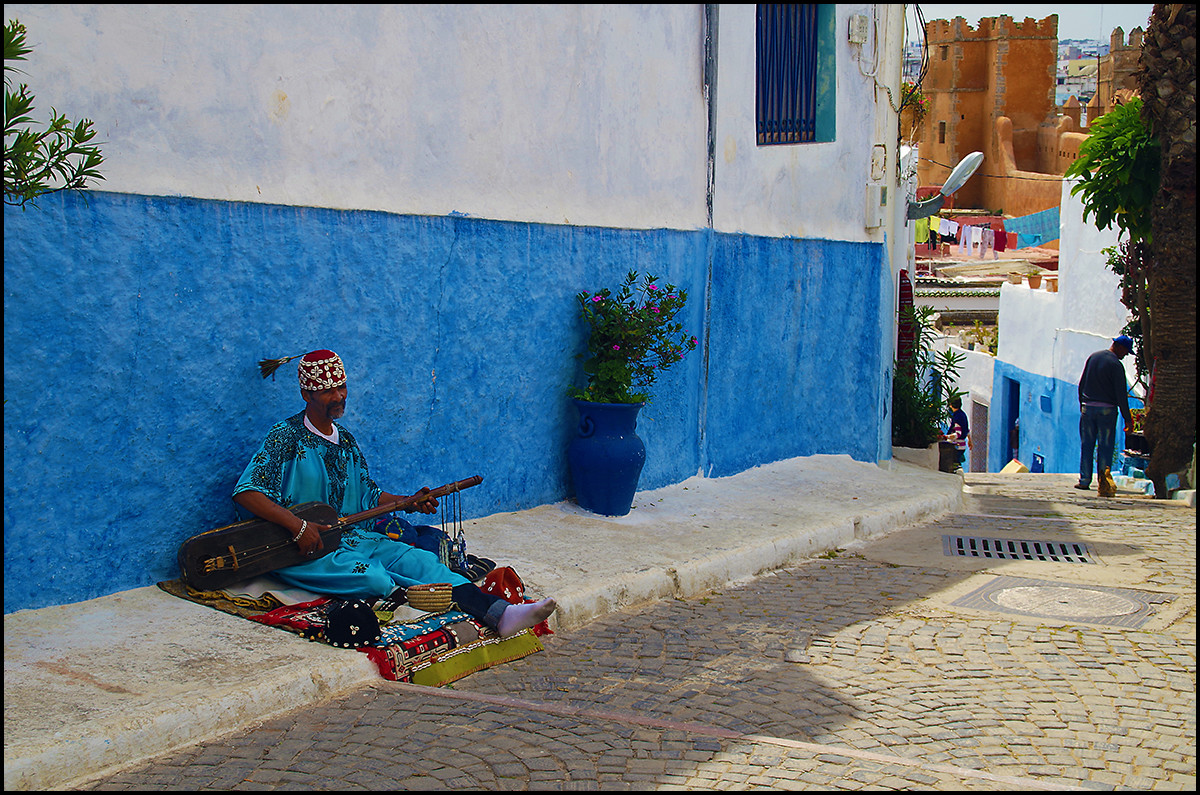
[[794, 47]]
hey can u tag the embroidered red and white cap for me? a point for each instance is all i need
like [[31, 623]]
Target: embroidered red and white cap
[[321, 370]]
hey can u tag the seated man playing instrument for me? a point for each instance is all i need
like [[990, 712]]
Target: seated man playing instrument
[[308, 457]]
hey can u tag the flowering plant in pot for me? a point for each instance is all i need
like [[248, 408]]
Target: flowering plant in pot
[[633, 337], [911, 96], [914, 106]]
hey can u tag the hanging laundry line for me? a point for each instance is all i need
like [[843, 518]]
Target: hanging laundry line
[[991, 234], [1034, 229]]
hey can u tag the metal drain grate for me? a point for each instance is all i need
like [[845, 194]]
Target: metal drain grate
[[1011, 549]]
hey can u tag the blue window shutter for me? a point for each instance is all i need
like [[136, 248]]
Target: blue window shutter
[[786, 62]]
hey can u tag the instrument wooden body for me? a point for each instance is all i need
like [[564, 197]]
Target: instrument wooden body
[[218, 558]]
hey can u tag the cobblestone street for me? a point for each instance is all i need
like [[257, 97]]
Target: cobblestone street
[[897, 664]]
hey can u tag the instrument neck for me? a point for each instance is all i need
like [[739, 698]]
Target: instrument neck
[[409, 502]]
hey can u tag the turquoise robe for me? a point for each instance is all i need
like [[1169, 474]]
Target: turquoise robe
[[293, 466]]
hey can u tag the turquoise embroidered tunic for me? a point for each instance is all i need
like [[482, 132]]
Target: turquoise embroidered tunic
[[293, 466]]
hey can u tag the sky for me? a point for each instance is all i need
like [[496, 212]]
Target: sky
[[1075, 20]]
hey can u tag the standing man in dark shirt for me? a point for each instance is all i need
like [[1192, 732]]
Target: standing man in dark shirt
[[1102, 392]]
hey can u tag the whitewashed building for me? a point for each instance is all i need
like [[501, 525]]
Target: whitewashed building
[[425, 189], [1044, 339]]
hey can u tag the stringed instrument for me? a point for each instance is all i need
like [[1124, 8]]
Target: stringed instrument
[[218, 558]]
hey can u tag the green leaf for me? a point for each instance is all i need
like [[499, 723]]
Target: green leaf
[[1118, 168], [632, 337], [56, 158]]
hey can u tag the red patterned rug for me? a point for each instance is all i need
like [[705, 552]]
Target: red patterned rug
[[432, 649]]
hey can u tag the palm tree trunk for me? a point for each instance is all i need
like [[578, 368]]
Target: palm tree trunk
[[1166, 81]]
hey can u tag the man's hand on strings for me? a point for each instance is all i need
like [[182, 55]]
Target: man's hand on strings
[[264, 507], [310, 542]]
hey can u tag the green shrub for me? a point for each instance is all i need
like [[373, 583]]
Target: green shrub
[[922, 384]]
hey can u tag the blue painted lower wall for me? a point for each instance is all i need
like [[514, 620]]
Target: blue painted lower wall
[[133, 326], [795, 362], [1047, 414]]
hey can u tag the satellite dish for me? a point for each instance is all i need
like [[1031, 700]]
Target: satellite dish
[[961, 173], [958, 177]]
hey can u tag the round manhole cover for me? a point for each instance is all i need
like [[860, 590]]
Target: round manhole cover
[[1057, 601]]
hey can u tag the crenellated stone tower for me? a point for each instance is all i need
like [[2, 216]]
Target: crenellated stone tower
[[975, 78]]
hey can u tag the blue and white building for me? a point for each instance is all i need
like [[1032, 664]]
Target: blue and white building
[[1045, 337], [424, 189]]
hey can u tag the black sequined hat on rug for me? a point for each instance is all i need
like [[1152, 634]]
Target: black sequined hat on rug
[[352, 624]]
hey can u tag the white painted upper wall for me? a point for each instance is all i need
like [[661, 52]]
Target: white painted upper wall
[[807, 190], [563, 114], [588, 114], [1052, 334]]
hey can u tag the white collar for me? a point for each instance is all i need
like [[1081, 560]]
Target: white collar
[[332, 437]]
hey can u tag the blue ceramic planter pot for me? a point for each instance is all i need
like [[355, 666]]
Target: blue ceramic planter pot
[[606, 457]]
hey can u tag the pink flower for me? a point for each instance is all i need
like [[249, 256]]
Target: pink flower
[[652, 287], [616, 347], [597, 298]]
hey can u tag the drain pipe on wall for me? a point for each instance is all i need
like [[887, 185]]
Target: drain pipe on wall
[[711, 11]]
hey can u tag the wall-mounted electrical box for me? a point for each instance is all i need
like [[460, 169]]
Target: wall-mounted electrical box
[[876, 202], [858, 28]]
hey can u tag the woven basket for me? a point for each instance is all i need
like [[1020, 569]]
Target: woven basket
[[432, 598]]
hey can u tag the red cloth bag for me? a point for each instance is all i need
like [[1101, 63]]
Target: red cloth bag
[[503, 581]]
